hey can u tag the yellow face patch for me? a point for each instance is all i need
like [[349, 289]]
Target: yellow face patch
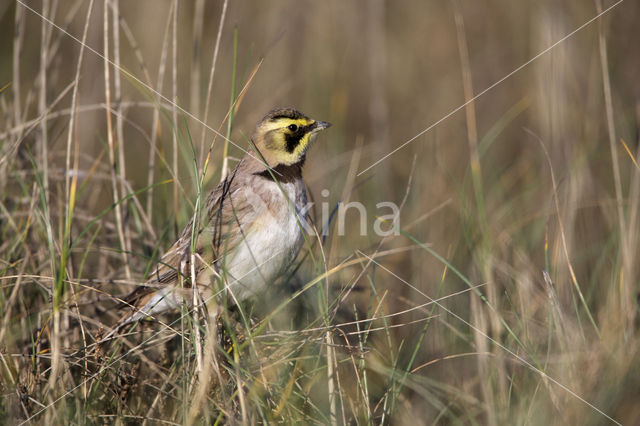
[[288, 139]]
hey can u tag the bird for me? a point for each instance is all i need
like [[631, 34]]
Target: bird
[[250, 231]]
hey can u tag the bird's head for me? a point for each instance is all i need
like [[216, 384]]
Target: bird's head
[[283, 136]]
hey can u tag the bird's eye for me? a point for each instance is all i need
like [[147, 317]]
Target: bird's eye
[[292, 127]]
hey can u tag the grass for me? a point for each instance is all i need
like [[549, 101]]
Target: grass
[[508, 296]]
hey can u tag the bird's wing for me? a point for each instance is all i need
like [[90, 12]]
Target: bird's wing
[[219, 232]]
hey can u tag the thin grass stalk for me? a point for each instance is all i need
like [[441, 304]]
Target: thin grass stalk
[[563, 240], [214, 60], [196, 328], [485, 249], [332, 389], [211, 366], [377, 60], [7, 308], [70, 186], [196, 316], [155, 126], [18, 40], [120, 143], [122, 105], [47, 223], [182, 272], [628, 308], [225, 151], [42, 100], [470, 112], [122, 24], [480, 330], [240, 385], [363, 383], [345, 198], [333, 386], [393, 353], [112, 144], [143, 215], [15, 115], [196, 45], [632, 248], [55, 44], [339, 388], [197, 306], [174, 109]]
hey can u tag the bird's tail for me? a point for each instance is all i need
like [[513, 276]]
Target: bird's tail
[[148, 306]]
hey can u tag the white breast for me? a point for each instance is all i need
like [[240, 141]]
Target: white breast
[[272, 240]]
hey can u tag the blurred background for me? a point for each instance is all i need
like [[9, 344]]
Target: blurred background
[[507, 132]]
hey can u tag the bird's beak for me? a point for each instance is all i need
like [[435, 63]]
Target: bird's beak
[[320, 125]]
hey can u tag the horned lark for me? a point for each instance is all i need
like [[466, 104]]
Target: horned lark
[[251, 229]]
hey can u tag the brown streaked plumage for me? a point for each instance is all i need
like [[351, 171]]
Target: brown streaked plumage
[[252, 229]]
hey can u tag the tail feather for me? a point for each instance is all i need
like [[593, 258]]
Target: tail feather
[[150, 305]]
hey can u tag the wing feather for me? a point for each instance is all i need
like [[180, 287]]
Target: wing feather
[[219, 232]]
